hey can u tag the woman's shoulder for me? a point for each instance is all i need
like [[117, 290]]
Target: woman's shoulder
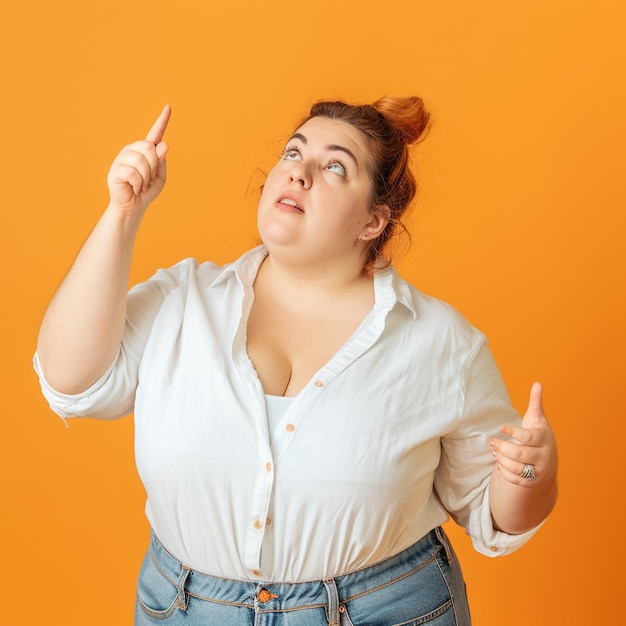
[[191, 269], [434, 312], [180, 274]]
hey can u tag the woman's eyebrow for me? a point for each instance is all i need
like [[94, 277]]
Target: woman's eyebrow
[[303, 139], [299, 136]]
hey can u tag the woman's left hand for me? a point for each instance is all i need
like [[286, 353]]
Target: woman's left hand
[[532, 444]]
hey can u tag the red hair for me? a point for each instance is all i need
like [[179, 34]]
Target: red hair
[[391, 125]]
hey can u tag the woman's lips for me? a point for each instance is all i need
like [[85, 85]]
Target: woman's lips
[[289, 204]]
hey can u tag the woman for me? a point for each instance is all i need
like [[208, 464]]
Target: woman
[[305, 419]]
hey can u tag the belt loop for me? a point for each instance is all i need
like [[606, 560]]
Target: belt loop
[[333, 602], [443, 540], [183, 598]]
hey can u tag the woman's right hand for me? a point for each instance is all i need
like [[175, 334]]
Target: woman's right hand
[[138, 173]]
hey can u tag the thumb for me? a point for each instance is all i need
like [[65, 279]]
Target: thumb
[[161, 149], [535, 403]]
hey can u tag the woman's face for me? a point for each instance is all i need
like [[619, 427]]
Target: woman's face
[[317, 198]]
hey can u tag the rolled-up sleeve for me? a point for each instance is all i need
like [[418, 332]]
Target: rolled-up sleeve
[[109, 397], [489, 541], [113, 394], [462, 478]]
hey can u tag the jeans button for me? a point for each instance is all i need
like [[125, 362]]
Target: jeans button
[[264, 595]]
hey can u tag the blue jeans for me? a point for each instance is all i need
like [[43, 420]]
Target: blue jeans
[[421, 585]]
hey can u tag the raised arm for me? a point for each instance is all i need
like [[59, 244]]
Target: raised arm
[[82, 328], [523, 484]]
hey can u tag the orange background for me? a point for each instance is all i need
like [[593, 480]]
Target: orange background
[[520, 224]]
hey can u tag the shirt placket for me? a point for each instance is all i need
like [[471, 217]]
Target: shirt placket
[[268, 455], [263, 481]]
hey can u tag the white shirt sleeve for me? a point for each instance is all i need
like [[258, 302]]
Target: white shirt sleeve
[[109, 397], [113, 394], [462, 478]]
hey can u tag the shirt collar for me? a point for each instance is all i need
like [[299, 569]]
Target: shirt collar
[[388, 286], [245, 267]]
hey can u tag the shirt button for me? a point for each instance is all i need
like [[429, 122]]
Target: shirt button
[[256, 572], [494, 549], [290, 428], [258, 524], [268, 466], [319, 383], [268, 521]]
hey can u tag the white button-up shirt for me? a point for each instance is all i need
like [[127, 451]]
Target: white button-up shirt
[[386, 440]]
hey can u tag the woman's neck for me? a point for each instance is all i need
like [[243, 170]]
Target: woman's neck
[[314, 281]]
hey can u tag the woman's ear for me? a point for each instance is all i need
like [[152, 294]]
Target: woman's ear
[[378, 221]]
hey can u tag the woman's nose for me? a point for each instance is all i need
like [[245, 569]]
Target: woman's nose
[[299, 173]]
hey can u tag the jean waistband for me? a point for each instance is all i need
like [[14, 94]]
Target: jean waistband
[[283, 596]]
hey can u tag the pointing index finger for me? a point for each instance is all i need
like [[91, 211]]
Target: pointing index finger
[[155, 134]]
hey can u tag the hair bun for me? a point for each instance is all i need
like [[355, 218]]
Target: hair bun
[[407, 115]]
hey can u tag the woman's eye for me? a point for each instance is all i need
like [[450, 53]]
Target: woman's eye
[[337, 167], [291, 154]]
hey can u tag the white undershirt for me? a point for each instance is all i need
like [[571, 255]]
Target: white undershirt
[[276, 407]]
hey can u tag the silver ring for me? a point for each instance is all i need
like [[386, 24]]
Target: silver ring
[[528, 472]]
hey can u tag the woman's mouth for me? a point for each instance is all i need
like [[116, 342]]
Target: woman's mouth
[[290, 202]]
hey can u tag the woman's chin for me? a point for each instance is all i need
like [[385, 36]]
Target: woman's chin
[[278, 235]]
